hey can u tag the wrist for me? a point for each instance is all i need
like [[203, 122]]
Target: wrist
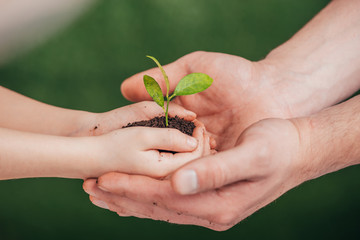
[[304, 164], [81, 158], [94, 157], [329, 140], [294, 85], [27, 155], [96, 124], [319, 66], [83, 124]]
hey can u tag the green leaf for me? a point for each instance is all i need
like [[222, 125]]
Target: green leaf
[[154, 90], [193, 83], [166, 79]]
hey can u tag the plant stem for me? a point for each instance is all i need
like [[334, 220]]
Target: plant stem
[[166, 79], [168, 99], [166, 113]]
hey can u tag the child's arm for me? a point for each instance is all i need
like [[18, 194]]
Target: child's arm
[[24, 155], [25, 114], [131, 150]]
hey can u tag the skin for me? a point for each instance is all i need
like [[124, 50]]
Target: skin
[[262, 171], [258, 160], [39, 140]]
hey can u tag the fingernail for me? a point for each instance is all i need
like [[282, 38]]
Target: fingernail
[[103, 189], [188, 182], [192, 142], [100, 204], [91, 193], [190, 112]]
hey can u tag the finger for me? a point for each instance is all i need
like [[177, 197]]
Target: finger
[[237, 201], [98, 202], [170, 162], [147, 190], [220, 207], [116, 203], [168, 139], [177, 110], [147, 110], [134, 90], [125, 206], [212, 142], [217, 170], [198, 134], [213, 151], [106, 200], [207, 144]]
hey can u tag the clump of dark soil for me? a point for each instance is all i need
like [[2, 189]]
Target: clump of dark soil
[[181, 124]]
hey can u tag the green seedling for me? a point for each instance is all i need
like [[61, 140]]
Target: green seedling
[[190, 84]]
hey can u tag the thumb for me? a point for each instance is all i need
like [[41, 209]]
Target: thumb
[[215, 171], [134, 90]]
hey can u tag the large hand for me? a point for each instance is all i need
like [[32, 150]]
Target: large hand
[[242, 93], [265, 164]]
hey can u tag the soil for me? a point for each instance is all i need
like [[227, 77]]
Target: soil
[[176, 122]]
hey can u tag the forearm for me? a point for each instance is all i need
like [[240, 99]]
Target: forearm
[[22, 113], [331, 139], [24, 155], [320, 65]]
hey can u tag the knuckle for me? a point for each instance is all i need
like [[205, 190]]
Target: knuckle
[[175, 138], [221, 176], [143, 135], [172, 136], [263, 153]]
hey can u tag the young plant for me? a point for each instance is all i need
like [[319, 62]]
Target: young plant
[[190, 84]]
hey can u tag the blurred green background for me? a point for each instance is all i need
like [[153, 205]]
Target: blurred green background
[[82, 67]]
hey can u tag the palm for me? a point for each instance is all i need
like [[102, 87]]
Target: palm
[[236, 99]]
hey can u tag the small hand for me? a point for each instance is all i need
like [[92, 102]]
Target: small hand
[[96, 124], [144, 150]]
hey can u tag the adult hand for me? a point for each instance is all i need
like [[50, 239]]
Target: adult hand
[[264, 165], [270, 157], [242, 93], [301, 77]]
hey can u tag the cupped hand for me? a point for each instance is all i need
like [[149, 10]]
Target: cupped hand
[[154, 152], [231, 185], [242, 93], [102, 123]]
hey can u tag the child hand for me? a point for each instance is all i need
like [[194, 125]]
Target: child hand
[[102, 123], [137, 150]]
